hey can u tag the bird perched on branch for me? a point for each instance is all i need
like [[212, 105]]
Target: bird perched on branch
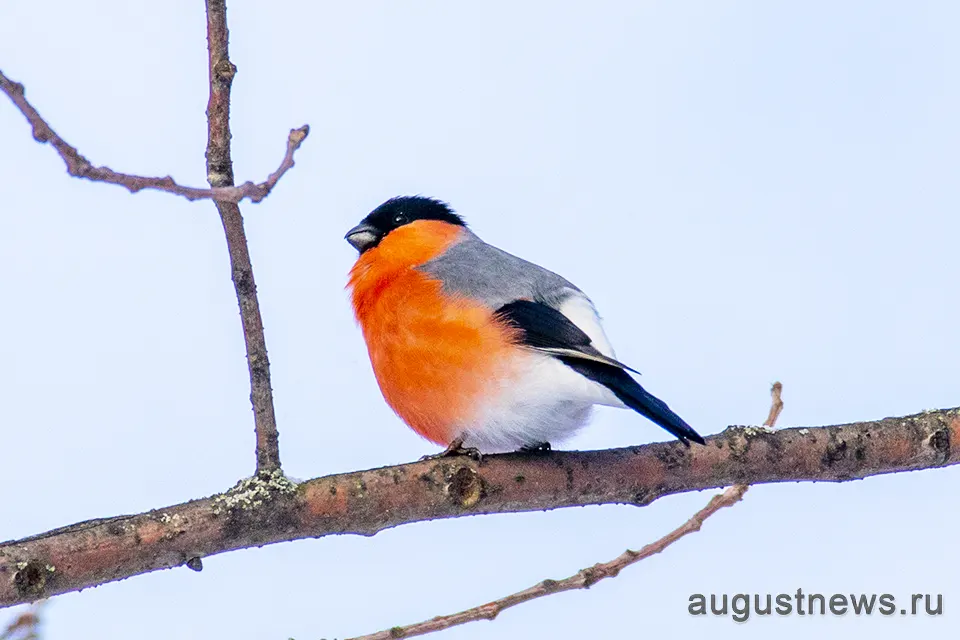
[[477, 349]]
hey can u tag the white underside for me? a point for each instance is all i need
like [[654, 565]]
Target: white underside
[[544, 400]]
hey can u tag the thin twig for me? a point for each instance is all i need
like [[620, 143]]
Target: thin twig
[[220, 175], [776, 405], [79, 167], [585, 578]]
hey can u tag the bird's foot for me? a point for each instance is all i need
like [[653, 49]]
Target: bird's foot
[[541, 447], [456, 448]]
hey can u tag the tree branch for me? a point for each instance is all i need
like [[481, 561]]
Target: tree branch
[[220, 175], [268, 508], [79, 167], [585, 578], [226, 196]]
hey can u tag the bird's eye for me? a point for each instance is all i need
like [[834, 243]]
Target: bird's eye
[[400, 219]]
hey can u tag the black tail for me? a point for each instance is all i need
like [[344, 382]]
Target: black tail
[[636, 397]]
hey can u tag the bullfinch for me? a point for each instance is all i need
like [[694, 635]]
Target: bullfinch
[[476, 349]]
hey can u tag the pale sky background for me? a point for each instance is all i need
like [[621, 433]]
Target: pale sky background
[[749, 191]]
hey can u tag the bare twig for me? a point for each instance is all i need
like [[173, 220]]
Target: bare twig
[[79, 167], [264, 510], [776, 405], [220, 175], [585, 578], [226, 196]]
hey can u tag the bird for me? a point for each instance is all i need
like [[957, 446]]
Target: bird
[[476, 349]]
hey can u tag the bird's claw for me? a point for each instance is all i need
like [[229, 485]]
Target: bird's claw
[[456, 448], [541, 447]]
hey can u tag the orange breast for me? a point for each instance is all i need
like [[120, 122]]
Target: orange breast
[[435, 357]]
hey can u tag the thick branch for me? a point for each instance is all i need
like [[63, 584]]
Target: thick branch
[[79, 167], [220, 175], [269, 509]]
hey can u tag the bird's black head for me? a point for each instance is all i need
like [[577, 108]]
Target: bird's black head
[[395, 213]]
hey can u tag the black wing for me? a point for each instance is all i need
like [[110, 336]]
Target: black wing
[[545, 329]]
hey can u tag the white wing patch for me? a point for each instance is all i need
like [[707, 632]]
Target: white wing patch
[[580, 311]]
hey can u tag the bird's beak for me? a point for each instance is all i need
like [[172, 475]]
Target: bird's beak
[[362, 237]]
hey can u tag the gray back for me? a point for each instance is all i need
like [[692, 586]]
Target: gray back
[[477, 270]]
